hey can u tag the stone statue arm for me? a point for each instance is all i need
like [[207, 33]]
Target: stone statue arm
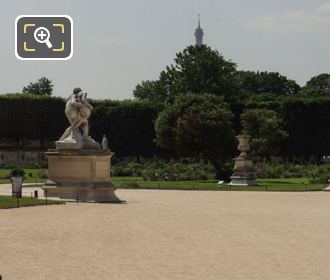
[[74, 103], [85, 101]]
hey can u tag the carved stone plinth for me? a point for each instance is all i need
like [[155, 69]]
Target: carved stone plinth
[[244, 174], [82, 174]]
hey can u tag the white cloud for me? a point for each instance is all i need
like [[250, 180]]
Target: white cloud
[[324, 8], [300, 20]]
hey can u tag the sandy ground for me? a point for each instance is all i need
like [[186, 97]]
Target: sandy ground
[[171, 235]]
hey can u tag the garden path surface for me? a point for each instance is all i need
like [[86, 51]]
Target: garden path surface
[[172, 235]]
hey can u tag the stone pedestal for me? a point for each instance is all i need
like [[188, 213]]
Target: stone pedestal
[[244, 174], [80, 174]]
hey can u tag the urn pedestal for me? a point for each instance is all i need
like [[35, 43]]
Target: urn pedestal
[[80, 174], [244, 173]]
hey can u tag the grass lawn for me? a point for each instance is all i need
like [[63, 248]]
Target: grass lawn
[[294, 184], [7, 202], [32, 175]]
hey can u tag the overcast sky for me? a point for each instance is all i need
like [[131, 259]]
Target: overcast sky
[[117, 44]]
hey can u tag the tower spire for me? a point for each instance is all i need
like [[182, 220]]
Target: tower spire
[[199, 33]]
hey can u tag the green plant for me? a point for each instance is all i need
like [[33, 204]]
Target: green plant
[[162, 170], [126, 168], [130, 185], [17, 172], [318, 174]]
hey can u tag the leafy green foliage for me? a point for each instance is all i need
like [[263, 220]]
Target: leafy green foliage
[[265, 128], [197, 125], [152, 91], [43, 86], [266, 83], [318, 86], [177, 171], [319, 174], [128, 125], [26, 116], [17, 172], [197, 69], [127, 168], [308, 125]]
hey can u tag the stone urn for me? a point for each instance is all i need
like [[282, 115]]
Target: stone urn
[[244, 173], [243, 144], [16, 186]]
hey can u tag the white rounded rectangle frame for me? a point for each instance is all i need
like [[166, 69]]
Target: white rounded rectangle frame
[[52, 58]]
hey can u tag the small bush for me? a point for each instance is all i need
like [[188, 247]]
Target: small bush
[[17, 172], [318, 174], [130, 185], [125, 168], [280, 170], [177, 171]]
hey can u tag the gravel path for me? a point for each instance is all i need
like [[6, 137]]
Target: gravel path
[[172, 235]]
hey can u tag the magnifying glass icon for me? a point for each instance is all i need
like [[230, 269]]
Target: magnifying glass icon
[[41, 35]]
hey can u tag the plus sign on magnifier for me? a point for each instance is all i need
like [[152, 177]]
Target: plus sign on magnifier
[[41, 35]]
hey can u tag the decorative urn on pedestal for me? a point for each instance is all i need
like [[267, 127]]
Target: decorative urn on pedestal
[[244, 173], [78, 168]]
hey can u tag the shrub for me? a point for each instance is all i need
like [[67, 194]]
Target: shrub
[[125, 168], [177, 171], [17, 172], [318, 174], [130, 185], [280, 170]]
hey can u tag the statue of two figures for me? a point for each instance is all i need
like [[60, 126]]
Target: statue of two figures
[[77, 110]]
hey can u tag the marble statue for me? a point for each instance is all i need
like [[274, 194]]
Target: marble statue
[[78, 168], [77, 110], [105, 143]]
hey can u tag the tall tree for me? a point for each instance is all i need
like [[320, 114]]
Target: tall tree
[[197, 69], [266, 83], [42, 86], [151, 91], [318, 86], [265, 128], [197, 125]]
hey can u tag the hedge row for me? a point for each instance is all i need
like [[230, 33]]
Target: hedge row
[[129, 125], [306, 120]]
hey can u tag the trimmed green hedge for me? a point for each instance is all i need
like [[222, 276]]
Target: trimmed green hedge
[[306, 120], [127, 124], [26, 116]]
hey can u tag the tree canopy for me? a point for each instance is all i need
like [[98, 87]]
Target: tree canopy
[[42, 86], [266, 129], [197, 69], [318, 85], [266, 83], [197, 125]]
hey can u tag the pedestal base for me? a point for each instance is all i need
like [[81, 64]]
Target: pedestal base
[[244, 174], [82, 192], [243, 181], [80, 174]]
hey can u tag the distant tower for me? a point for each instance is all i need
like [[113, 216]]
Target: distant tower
[[199, 33]]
